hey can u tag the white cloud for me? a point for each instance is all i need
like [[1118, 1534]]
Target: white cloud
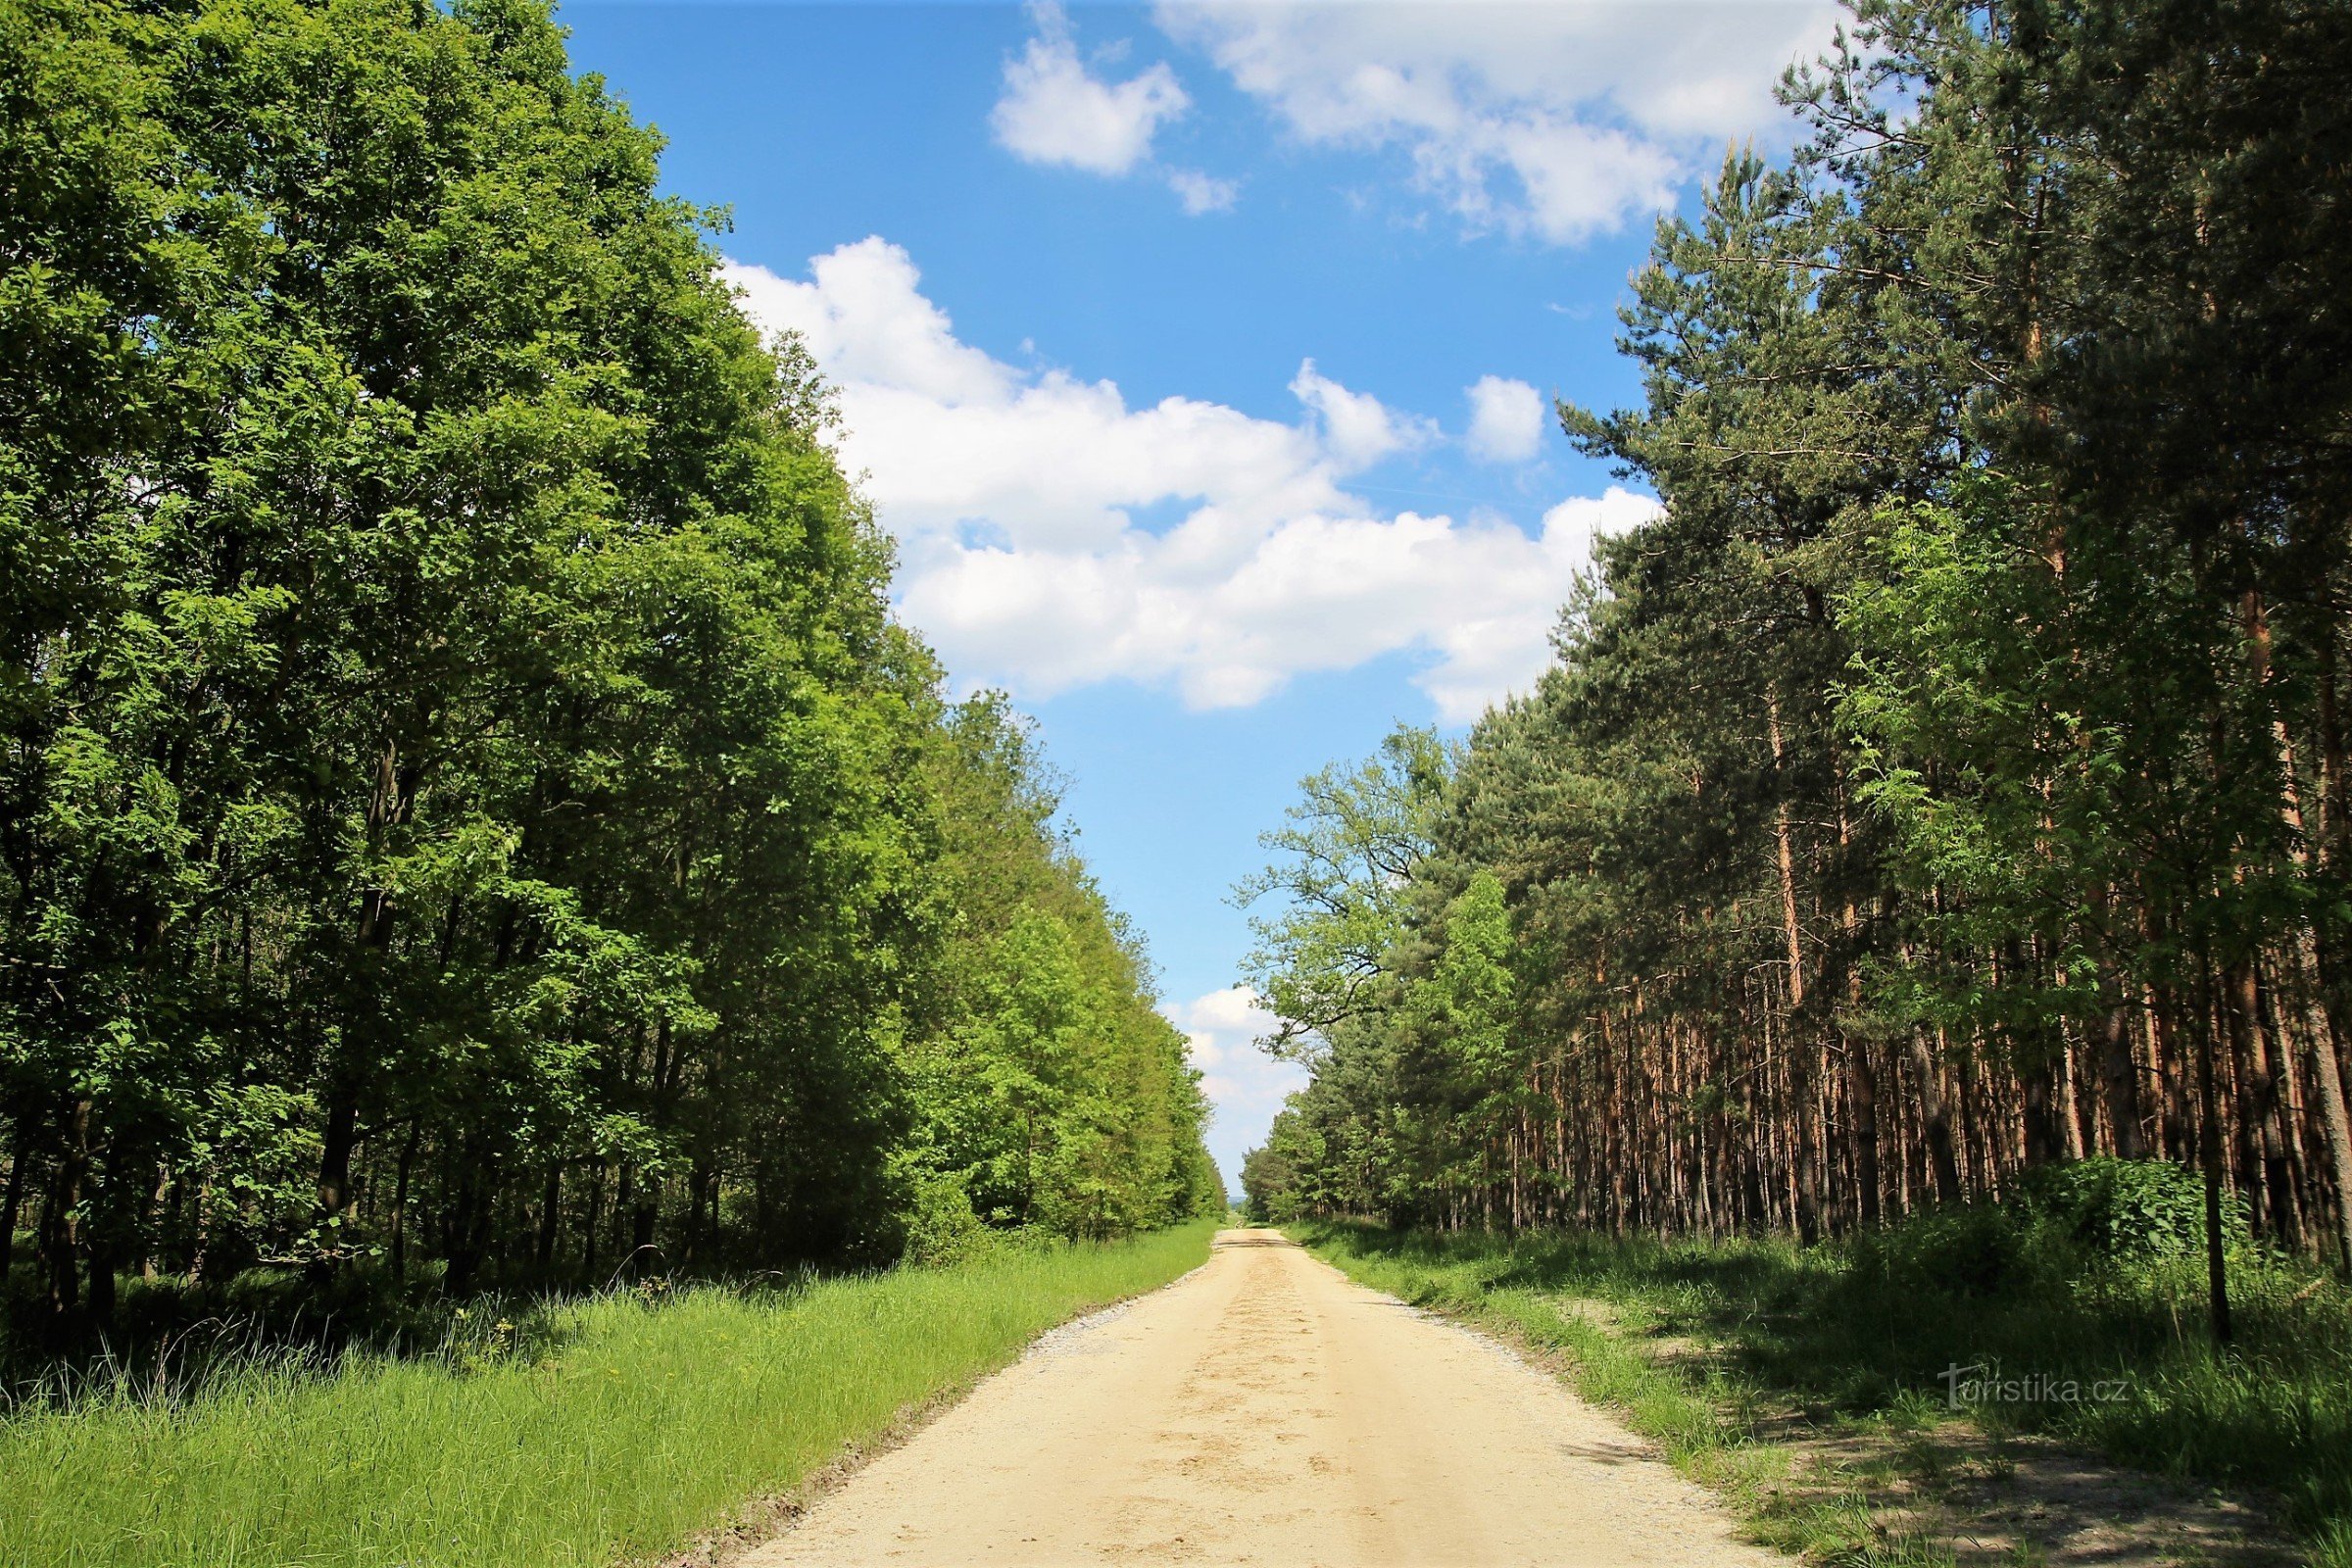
[[1501, 641], [1015, 496], [1358, 429], [1506, 420], [1202, 193], [866, 322], [1246, 1084], [1311, 593], [1053, 111], [1559, 120]]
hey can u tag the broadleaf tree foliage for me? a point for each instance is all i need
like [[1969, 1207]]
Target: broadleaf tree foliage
[[464, 799], [1950, 781]]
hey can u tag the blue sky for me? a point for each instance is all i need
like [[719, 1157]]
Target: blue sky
[[1200, 356]]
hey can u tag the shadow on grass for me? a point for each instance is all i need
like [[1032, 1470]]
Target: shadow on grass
[[174, 1340], [2033, 1336]]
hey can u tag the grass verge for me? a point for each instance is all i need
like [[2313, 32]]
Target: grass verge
[[1807, 1387], [630, 1423]]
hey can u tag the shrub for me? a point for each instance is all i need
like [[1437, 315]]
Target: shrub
[[943, 1231], [2126, 1210], [1956, 1249]]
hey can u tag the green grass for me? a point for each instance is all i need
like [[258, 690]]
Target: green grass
[[1799, 1341], [613, 1428], [1699, 1422]]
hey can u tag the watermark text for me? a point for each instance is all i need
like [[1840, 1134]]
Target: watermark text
[[1982, 1382]]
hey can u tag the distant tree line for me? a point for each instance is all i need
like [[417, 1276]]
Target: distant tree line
[[1951, 781], [463, 801]]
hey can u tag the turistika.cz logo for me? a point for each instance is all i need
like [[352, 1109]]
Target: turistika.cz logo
[[1983, 1382]]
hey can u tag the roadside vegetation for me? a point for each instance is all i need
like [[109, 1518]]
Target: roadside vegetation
[[1910, 923], [1814, 1384], [468, 819], [571, 1434], [527, 1016], [1950, 781]]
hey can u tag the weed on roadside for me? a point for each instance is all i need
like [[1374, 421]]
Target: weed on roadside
[[1817, 1388]]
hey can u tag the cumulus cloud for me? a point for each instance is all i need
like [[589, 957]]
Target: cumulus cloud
[[866, 322], [1246, 1084], [1506, 420], [1358, 429], [1054, 111], [1311, 593], [1556, 120], [1202, 193], [1052, 536]]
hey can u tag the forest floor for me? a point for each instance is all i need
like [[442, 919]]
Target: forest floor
[[1263, 1410], [1885, 1480]]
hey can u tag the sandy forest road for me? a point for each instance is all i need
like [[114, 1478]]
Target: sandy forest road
[[1264, 1409]]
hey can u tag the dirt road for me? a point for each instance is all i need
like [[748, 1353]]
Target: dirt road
[[1263, 1410]]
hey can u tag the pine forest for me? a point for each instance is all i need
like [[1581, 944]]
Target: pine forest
[[1949, 785]]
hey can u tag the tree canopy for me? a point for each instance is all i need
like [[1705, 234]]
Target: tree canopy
[[463, 796], [1950, 780]]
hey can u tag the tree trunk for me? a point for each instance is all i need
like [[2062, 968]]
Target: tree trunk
[[2217, 1274], [464, 1233], [400, 1201], [335, 1145], [99, 1246], [1786, 858], [641, 1228], [1862, 1098], [12, 1203], [549, 1202], [151, 1219], [2071, 1139], [199, 1251], [2264, 1107], [2121, 1078], [1937, 1116], [2041, 1147], [2165, 1046], [62, 1238], [2336, 1129], [2336, 847]]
